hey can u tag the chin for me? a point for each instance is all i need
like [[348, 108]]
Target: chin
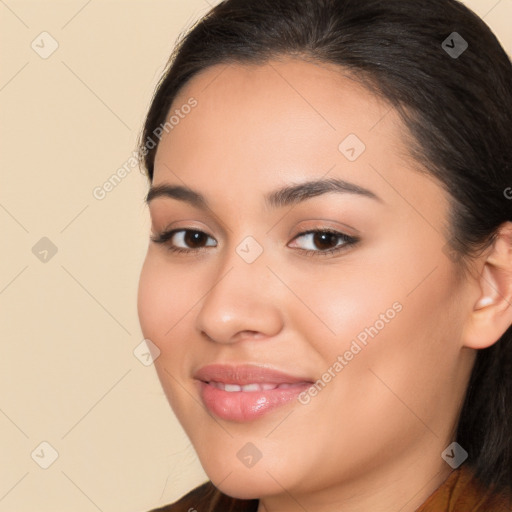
[[238, 481], [250, 486]]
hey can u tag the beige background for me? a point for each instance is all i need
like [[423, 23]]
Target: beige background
[[69, 326]]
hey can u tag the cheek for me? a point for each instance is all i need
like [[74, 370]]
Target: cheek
[[167, 301], [148, 303], [160, 300], [391, 321], [399, 288], [400, 352], [338, 305]]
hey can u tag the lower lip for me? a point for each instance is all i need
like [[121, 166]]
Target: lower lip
[[243, 406]]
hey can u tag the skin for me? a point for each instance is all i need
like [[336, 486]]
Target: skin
[[372, 438]]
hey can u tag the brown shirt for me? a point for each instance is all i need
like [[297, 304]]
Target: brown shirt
[[460, 492]]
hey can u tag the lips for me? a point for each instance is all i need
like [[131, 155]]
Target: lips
[[246, 392], [266, 386], [243, 375]]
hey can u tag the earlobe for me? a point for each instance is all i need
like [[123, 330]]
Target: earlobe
[[490, 286], [492, 312], [484, 302]]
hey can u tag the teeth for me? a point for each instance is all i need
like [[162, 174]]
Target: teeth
[[251, 387], [286, 386], [233, 388]]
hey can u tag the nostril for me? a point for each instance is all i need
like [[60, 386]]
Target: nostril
[[250, 334]]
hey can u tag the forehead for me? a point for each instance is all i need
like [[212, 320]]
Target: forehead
[[318, 98], [246, 111], [262, 126]]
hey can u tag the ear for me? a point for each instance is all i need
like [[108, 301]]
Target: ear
[[492, 312]]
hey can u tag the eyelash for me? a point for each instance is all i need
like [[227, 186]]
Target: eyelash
[[164, 237]]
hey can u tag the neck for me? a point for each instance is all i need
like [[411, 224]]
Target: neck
[[400, 487]]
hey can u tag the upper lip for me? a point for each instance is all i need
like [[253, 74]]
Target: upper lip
[[246, 374]]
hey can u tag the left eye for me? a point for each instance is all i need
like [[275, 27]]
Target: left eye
[[325, 241]]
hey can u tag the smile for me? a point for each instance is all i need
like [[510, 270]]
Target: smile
[[247, 392], [233, 388]]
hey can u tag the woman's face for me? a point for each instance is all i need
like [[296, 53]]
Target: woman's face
[[376, 324]]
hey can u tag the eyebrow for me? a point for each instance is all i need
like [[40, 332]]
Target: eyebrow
[[286, 196]]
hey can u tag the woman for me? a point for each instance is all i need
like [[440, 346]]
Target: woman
[[329, 277]]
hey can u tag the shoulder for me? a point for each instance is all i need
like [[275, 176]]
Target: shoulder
[[461, 491], [207, 498]]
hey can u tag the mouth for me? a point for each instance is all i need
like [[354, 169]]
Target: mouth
[[247, 392], [249, 388]]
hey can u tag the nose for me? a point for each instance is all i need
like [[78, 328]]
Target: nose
[[242, 302]]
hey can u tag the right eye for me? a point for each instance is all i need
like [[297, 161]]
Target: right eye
[[185, 237]]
